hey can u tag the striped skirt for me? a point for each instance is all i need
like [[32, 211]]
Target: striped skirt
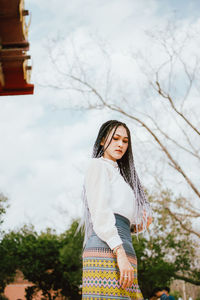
[[101, 274]]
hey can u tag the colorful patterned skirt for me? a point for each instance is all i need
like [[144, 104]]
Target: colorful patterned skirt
[[100, 270]]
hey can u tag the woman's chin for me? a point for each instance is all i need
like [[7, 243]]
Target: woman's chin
[[117, 155]]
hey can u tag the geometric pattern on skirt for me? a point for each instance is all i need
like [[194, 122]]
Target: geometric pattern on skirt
[[101, 275]]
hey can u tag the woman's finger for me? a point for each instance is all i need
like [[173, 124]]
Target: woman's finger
[[125, 280], [121, 278], [129, 283], [132, 276]]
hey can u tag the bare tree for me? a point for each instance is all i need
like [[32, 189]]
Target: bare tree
[[167, 110]]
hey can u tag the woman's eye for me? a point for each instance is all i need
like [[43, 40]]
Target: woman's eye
[[116, 138]]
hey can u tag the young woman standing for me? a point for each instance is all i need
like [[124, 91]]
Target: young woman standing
[[115, 205]]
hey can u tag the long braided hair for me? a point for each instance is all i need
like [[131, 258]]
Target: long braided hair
[[127, 170]]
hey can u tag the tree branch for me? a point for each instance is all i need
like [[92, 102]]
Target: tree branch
[[171, 139], [167, 96], [181, 223], [187, 279], [119, 109]]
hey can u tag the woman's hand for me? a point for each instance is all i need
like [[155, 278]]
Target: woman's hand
[[126, 270], [139, 228], [149, 221]]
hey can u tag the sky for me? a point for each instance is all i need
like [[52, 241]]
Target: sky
[[45, 141]]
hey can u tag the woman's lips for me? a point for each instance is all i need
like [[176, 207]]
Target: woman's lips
[[119, 151]]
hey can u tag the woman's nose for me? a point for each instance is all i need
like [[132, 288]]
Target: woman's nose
[[120, 143]]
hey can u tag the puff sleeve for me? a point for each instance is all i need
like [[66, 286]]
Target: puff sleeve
[[98, 193]]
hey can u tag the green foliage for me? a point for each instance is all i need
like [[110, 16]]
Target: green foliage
[[53, 263], [2, 297], [3, 206], [70, 253], [166, 252], [153, 270], [70, 257], [30, 292], [7, 261], [176, 294], [38, 257]]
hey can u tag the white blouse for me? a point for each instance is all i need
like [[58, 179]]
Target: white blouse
[[108, 193]]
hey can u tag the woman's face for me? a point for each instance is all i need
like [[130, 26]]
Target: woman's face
[[118, 145]]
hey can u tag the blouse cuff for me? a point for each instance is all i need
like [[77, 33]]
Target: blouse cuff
[[114, 242]]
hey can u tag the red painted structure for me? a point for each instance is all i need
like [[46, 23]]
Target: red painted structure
[[14, 67]]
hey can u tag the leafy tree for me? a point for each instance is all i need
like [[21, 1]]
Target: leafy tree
[[168, 253], [38, 257], [2, 297], [3, 207], [70, 257], [8, 261], [7, 250], [51, 262], [176, 294]]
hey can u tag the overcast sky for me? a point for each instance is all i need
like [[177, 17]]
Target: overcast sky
[[44, 148]]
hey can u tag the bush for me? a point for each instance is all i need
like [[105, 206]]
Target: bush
[[176, 294], [3, 297]]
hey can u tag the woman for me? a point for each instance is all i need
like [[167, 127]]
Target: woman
[[115, 203]]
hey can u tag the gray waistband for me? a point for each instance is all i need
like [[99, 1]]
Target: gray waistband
[[123, 227], [122, 220]]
